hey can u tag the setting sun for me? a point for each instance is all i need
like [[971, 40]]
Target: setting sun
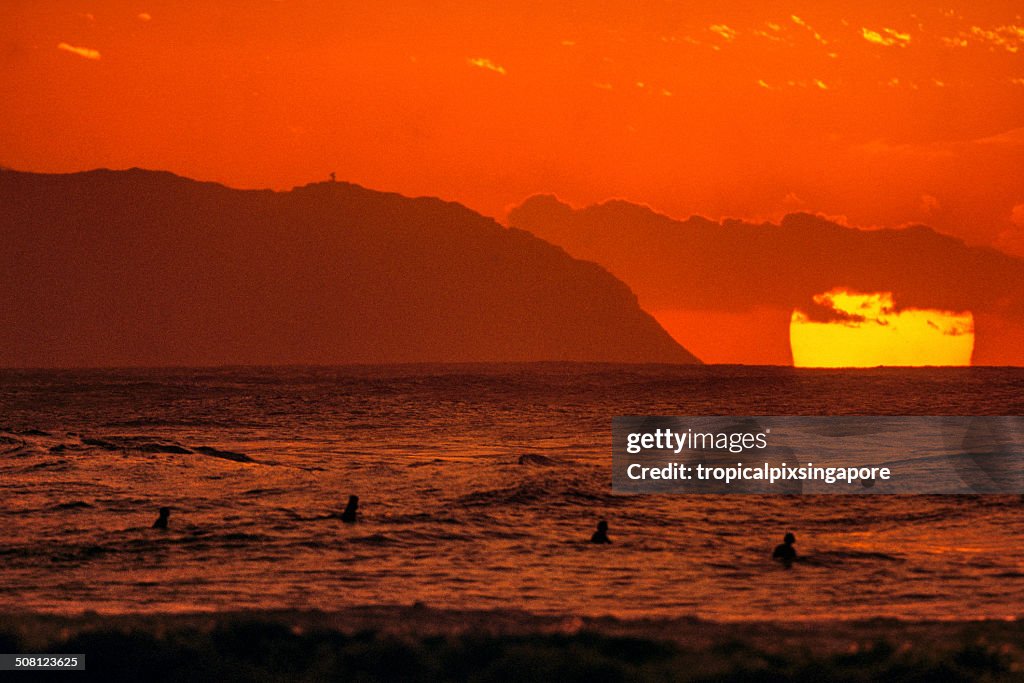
[[854, 330]]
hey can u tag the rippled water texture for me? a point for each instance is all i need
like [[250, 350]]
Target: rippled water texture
[[257, 464]]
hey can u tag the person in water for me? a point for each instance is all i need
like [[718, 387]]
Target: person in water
[[349, 515], [601, 535], [161, 521], [785, 552]]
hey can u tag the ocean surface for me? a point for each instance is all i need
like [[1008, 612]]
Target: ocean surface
[[257, 464]]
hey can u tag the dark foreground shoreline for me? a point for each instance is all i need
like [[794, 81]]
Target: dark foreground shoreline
[[420, 643]]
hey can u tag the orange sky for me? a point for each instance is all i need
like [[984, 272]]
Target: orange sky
[[889, 113]]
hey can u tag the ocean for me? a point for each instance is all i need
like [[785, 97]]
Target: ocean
[[257, 463]]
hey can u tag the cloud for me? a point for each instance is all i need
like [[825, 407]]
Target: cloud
[[886, 36], [800, 22], [851, 308], [865, 309], [484, 63], [1009, 38], [770, 36], [723, 30], [896, 35], [874, 37], [823, 310], [87, 53], [954, 330]]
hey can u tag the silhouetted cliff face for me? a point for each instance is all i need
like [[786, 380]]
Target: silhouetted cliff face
[[141, 268], [736, 267]]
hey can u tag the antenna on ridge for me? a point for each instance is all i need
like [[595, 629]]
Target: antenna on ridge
[[333, 179]]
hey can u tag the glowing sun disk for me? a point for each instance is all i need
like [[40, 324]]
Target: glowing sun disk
[[848, 329]]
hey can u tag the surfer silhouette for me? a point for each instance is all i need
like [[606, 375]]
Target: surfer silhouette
[[349, 515], [161, 521], [601, 535], [785, 552]]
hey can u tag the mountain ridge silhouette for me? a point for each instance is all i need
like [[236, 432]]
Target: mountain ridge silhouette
[[138, 267], [736, 267]]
